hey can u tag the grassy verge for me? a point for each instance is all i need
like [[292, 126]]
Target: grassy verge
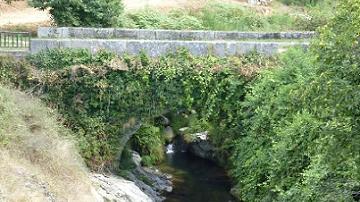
[[37, 161]]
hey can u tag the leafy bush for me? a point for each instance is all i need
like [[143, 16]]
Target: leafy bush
[[152, 19], [92, 13], [316, 16], [14, 73], [232, 17], [301, 122], [148, 141], [62, 58]]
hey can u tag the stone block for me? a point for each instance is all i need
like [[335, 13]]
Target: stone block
[[103, 33], [43, 32], [193, 35], [37, 45], [125, 34], [168, 35], [219, 49], [155, 48], [145, 34]]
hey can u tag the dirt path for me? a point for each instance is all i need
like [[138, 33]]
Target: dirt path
[[20, 13]]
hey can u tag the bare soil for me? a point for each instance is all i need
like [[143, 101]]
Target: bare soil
[[19, 12]]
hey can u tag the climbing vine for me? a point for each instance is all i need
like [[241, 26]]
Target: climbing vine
[[98, 95]]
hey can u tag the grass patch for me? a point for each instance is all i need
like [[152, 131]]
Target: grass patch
[[232, 17], [38, 159]]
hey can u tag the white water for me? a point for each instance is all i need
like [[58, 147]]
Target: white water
[[170, 149]]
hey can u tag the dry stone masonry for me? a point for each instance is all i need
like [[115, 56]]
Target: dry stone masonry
[[144, 34], [159, 42]]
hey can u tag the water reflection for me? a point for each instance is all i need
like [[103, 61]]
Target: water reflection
[[195, 179]]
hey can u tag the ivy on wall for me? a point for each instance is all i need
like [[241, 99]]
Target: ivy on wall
[[99, 94]]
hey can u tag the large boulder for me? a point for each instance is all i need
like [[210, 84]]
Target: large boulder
[[136, 158], [201, 146], [116, 189], [169, 134], [152, 182]]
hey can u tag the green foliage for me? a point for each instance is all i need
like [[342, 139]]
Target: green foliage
[[14, 73], [152, 19], [62, 58], [98, 98], [317, 16], [222, 16], [126, 162], [50, 60], [148, 141], [230, 17], [92, 13], [6, 75], [292, 133], [301, 122], [214, 16]]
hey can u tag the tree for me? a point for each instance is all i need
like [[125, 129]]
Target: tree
[[91, 13]]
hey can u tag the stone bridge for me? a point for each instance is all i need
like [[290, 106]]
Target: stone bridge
[[159, 42]]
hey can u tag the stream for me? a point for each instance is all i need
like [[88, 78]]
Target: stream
[[195, 179]]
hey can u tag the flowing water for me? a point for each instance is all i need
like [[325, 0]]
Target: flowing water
[[195, 179]]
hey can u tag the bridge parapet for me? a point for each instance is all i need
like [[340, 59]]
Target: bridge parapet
[[182, 35], [159, 42], [158, 48]]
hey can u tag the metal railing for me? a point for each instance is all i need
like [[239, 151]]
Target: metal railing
[[14, 40]]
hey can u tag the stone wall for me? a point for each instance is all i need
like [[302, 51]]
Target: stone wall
[[18, 54], [157, 48], [113, 33]]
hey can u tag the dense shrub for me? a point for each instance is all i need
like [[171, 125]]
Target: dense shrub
[[92, 13], [69, 57], [149, 142], [152, 19], [214, 16], [230, 17], [316, 16], [301, 122]]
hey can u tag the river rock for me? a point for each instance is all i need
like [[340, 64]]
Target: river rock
[[182, 131], [152, 182], [136, 158], [169, 134], [164, 121], [201, 146], [161, 181], [116, 189]]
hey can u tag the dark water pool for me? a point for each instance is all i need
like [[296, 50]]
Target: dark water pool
[[195, 179]]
